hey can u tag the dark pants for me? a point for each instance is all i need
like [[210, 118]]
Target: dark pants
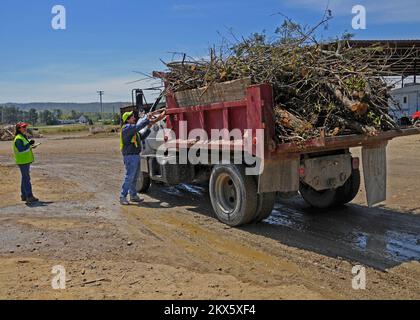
[[25, 187]]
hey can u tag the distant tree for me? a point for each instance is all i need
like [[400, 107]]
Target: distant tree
[[74, 115], [33, 116], [44, 116], [2, 114], [117, 119], [57, 113], [48, 118], [11, 115]]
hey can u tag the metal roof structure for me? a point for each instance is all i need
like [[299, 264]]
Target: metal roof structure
[[405, 60]]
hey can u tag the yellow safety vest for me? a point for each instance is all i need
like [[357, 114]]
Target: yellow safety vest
[[135, 140], [24, 157]]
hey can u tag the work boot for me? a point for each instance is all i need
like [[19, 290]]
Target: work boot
[[31, 199], [23, 198], [124, 202], [136, 199]]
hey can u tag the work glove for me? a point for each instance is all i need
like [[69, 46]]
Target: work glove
[[32, 142]]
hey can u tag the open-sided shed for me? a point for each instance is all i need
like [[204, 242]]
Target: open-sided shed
[[405, 59]]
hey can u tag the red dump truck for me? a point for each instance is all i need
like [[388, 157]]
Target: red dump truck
[[323, 170]]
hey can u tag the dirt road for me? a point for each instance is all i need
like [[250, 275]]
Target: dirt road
[[171, 246]]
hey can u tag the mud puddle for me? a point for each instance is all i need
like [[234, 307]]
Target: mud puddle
[[376, 237]]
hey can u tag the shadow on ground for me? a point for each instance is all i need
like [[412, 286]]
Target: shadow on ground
[[38, 204]]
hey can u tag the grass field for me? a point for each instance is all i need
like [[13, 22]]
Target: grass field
[[62, 129], [75, 128]]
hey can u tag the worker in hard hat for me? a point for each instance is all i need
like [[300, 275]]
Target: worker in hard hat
[[132, 134], [22, 148]]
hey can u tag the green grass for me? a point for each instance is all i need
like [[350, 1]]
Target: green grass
[[70, 128], [74, 128]]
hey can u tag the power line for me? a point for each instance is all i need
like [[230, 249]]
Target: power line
[[101, 93]]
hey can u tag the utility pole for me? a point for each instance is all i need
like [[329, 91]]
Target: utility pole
[[101, 93]]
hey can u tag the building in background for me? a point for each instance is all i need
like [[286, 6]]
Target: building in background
[[408, 98], [64, 122], [403, 61], [83, 120]]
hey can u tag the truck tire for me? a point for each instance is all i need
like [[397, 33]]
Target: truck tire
[[233, 195], [349, 190], [417, 123], [318, 199], [143, 182], [265, 206]]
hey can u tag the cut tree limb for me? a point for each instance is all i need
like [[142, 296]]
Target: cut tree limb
[[367, 130], [290, 121], [357, 107]]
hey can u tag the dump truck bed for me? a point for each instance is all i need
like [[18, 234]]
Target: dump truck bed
[[237, 105], [345, 141]]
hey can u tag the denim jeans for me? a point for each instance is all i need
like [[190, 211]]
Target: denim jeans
[[25, 186], [132, 169]]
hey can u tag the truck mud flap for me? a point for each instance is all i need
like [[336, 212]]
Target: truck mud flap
[[280, 175], [144, 165], [375, 172]]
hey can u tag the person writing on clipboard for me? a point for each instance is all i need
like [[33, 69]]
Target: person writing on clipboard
[[22, 148]]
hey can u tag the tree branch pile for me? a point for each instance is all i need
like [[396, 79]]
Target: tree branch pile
[[7, 133], [333, 86]]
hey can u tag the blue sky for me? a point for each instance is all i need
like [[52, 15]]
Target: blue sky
[[106, 40]]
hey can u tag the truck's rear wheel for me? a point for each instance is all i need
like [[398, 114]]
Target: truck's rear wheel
[[349, 190], [265, 206], [233, 195], [318, 199], [143, 182]]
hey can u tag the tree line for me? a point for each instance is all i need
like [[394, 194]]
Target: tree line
[[12, 115]]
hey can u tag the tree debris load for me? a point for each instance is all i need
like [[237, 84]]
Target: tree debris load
[[316, 85], [7, 133]]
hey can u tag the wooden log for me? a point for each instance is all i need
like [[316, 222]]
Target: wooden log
[[358, 107], [6, 134], [360, 128], [290, 121]]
